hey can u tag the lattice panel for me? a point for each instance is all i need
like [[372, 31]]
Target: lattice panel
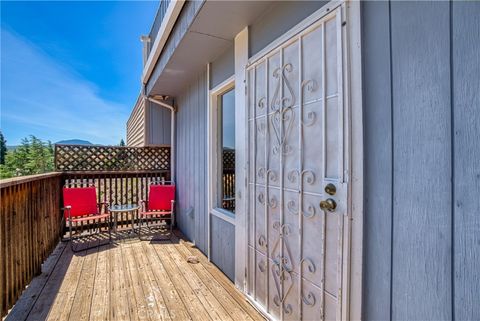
[[111, 158], [228, 160]]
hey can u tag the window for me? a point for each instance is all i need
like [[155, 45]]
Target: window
[[226, 145]]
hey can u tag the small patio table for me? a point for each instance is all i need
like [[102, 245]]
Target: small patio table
[[124, 208]]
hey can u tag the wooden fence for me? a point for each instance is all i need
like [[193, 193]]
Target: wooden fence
[[30, 228]]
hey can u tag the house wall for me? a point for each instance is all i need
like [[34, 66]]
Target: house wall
[[149, 124], [191, 174], [223, 67], [278, 19], [136, 126], [421, 67], [191, 161], [223, 245], [191, 166], [159, 125], [222, 251]]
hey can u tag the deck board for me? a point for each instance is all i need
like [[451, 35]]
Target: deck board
[[101, 289], [134, 280]]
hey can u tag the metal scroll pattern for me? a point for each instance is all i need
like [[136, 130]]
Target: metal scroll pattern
[[282, 117], [308, 177], [282, 121]]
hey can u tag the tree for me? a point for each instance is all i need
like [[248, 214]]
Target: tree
[[33, 156], [122, 142], [3, 148]]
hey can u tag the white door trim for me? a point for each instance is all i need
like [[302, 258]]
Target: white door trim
[[354, 95], [241, 60]]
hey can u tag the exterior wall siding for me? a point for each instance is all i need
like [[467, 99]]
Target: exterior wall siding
[[223, 246], [148, 125], [191, 178], [278, 19], [222, 232], [191, 161], [159, 125], [421, 64], [223, 67], [465, 86], [136, 126]]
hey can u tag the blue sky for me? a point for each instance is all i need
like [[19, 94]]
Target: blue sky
[[71, 69]]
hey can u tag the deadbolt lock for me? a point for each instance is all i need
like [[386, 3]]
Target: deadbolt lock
[[328, 205], [330, 189]]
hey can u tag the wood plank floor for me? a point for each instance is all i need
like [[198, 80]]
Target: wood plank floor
[[132, 280]]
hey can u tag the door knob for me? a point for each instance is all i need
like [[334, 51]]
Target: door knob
[[328, 205], [330, 189]]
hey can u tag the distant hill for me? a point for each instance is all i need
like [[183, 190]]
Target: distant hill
[[64, 142], [74, 142]]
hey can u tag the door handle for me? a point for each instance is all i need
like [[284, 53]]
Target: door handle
[[328, 205], [330, 189]]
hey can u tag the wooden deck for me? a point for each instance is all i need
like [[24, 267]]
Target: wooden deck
[[132, 280]]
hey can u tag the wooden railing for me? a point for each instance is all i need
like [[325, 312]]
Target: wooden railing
[[228, 171], [117, 187], [229, 190], [31, 222], [30, 228]]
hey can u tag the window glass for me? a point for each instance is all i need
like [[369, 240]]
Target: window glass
[[227, 146]]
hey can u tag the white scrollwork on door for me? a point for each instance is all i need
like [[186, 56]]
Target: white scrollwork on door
[[271, 174], [261, 103], [283, 117], [308, 176], [308, 211]]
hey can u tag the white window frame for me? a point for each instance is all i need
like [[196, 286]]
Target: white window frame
[[213, 153]]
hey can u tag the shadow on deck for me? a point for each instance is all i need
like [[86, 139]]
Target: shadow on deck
[[131, 280]]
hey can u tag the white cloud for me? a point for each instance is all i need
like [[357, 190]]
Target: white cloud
[[40, 95]]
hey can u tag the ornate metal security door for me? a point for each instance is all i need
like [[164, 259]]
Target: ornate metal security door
[[297, 175]]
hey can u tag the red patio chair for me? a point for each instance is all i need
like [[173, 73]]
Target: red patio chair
[[160, 205], [80, 205]]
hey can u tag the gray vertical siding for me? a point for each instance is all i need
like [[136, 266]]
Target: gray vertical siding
[[191, 168], [223, 67], [223, 232], [223, 246], [466, 160], [279, 18], [149, 124], [422, 170], [422, 165], [191, 177], [159, 125], [378, 161]]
